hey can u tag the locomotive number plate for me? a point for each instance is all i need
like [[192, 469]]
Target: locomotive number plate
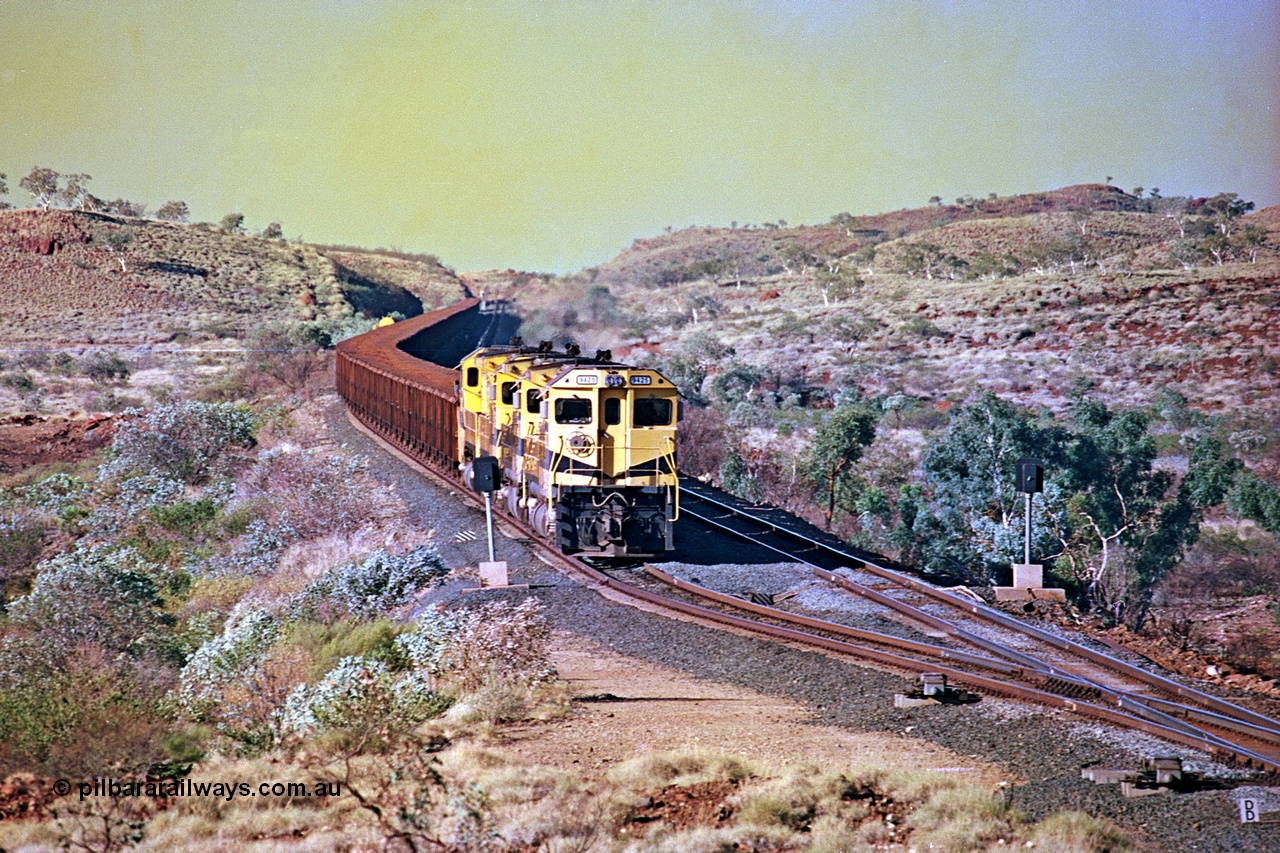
[[641, 380], [588, 379]]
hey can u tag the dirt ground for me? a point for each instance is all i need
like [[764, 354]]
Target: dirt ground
[[27, 440], [624, 707]]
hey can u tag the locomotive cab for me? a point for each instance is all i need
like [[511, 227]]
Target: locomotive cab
[[611, 451]]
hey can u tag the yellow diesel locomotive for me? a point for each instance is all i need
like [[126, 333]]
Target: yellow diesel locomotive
[[587, 446]]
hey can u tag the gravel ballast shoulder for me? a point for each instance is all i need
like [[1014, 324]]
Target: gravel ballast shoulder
[[1043, 747]]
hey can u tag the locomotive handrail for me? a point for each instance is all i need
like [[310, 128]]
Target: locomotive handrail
[[675, 490], [558, 455]]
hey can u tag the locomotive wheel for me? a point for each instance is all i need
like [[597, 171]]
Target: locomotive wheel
[[540, 521]]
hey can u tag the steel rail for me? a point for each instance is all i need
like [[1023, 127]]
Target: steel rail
[[1209, 718], [940, 652], [1267, 733], [1174, 709], [1121, 699], [1125, 716], [1208, 743], [1260, 721]]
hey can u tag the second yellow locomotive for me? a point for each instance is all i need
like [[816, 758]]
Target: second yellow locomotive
[[587, 446]]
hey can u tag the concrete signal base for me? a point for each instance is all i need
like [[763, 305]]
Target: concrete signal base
[[494, 576], [1028, 585]]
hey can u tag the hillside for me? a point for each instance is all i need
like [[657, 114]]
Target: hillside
[[88, 278], [245, 588], [1027, 296], [753, 251]]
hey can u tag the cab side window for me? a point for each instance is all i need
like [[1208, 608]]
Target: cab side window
[[651, 411], [508, 393], [573, 411], [532, 404], [473, 377]]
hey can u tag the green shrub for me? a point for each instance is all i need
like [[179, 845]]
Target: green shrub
[[229, 658], [185, 518], [237, 518], [102, 367], [922, 327], [103, 595], [190, 441], [78, 715], [370, 587], [70, 517], [497, 644], [20, 544], [22, 382], [329, 643], [362, 703]]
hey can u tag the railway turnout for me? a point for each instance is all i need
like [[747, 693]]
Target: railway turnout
[[1149, 702]]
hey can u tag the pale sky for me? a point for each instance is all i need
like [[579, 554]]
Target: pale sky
[[549, 135]]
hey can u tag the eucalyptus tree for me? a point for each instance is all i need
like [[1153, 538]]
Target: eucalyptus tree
[[42, 184], [834, 451], [1109, 525]]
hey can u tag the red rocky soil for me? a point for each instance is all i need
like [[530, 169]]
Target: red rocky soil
[[30, 439]]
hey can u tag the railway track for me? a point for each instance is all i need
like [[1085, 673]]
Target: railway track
[[1068, 670], [982, 674], [409, 406]]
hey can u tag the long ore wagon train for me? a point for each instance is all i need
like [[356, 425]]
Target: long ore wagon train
[[587, 446]]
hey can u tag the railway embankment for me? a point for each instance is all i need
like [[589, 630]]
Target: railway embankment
[[1042, 750]]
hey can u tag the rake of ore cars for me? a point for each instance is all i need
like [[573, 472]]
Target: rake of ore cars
[[586, 445]]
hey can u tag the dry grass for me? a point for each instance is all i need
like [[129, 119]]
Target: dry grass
[[483, 791], [255, 822], [685, 767], [957, 820], [306, 560]]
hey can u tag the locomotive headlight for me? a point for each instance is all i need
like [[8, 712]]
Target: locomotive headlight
[[613, 380]]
